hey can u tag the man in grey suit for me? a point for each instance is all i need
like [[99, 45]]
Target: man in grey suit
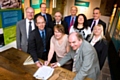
[[84, 56], [23, 30]]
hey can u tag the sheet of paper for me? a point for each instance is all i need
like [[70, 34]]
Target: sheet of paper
[[43, 72], [28, 61]]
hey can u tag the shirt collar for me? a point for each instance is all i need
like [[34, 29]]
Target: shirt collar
[[43, 14], [27, 20], [96, 20], [77, 50], [41, 30], [74, 18], [58, 23]]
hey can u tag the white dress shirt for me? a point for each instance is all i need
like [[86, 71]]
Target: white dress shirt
[[27, 26], [58, 23]]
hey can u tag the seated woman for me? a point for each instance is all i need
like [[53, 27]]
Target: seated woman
[[97, 39], [81, 26], [59, 44]]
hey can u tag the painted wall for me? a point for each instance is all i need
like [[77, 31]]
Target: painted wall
[[87, 11]]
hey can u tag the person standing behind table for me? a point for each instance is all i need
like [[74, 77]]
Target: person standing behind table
[[84, 56], [39, 41], [23, 29], [97, 39], [81, 26], [58, 20], [43, 13], [96, 19], [71, 18], [59, 44]]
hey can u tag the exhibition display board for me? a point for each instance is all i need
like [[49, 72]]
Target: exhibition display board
[[9, 15]]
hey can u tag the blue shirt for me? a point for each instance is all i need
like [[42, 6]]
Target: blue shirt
[[40, 31], [74, 19]]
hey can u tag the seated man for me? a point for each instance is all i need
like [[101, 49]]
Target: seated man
[[84, 56], [39, 41]]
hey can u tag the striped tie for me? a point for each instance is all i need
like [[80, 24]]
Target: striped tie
[[71, 23], [93, 25], [73, 69]]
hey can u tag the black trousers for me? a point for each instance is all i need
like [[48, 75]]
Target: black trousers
[[68, 65], [44, 56]]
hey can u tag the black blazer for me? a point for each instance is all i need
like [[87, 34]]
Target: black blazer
[[53, 23], [100, 22], [49, 18], [35, 44], [102, 50]]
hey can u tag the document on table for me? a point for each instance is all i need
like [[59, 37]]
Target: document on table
[[28, 61], [43, 72]]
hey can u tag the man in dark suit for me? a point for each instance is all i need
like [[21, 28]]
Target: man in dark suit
[[43, 13], [85, 60], [39, 41], [71, 18], [23, 30], [58, 20], [96, 19]]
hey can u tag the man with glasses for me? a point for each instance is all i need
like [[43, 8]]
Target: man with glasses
[[43, 13], [39, 41], [23, 29], [58, 20], [96, 19], [71, 18]]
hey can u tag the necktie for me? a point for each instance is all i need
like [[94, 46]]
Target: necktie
[[71, 23], [30, 28], [74, 61], [45, 18], [43, 39], [93, 25], [57, 23]]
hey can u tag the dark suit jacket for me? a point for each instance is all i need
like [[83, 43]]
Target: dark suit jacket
[[35, 44], [67, 19], [53, 23], [100, 22], [102, 50], [49, 18]]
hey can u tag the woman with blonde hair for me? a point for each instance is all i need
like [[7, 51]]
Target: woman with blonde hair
[[98, 40], [59, 44]]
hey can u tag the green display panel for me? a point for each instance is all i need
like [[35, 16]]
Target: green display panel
[[9, 34], [8, 20], [81, 3]]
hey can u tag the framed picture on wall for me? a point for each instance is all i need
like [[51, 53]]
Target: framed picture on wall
[[115, 30]]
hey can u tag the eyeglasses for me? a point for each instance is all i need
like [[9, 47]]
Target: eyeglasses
[[40, 22], [95, 13]]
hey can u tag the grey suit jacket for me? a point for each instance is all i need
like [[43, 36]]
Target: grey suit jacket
[[86, 62], [21, 35]]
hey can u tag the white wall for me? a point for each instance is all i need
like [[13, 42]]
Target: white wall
[[106, 19], [12, 44]]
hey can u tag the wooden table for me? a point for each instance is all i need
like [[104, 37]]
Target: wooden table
[[12, 68]]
